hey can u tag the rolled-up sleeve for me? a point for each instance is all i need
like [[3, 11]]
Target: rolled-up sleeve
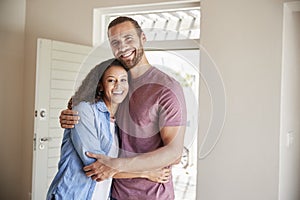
[[85, 136]]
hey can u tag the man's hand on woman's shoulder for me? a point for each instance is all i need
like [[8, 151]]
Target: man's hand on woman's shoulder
[[68, 118]]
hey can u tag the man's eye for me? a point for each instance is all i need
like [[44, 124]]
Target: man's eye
[[110, 80], [124, 80], [115, 43], [129, 38]]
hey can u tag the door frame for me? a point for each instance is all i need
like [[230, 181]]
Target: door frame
[[289, 117]]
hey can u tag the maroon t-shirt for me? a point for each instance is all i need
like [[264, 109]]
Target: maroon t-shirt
[[155, 100]]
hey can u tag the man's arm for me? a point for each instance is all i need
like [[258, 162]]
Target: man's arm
[[159, 175], [69, 118], [104, 167]]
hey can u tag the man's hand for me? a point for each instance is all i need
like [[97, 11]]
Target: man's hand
[[68, 118], [159, 175], [101, 169]]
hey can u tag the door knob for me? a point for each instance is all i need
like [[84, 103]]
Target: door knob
[[43, 113]]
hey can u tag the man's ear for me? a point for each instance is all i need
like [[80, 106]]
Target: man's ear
[[143, 37]]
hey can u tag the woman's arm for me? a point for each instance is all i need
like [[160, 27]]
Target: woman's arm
[[84, 135]]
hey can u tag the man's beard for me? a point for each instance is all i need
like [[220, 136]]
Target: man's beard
[[137, 58]]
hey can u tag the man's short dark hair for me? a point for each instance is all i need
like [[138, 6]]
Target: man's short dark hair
[[122, 19]]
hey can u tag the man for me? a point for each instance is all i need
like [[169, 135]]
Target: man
[[151, 120]]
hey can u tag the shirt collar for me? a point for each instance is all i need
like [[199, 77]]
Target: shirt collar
[[100, 105]]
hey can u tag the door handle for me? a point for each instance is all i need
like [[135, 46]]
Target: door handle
[[42, 140], [45, 139]]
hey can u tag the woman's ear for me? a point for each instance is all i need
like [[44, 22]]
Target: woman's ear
[[99, 88]]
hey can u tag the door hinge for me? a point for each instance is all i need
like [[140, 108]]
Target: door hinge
[[34, 142]]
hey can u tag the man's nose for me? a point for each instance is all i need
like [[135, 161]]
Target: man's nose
[[123, 46]]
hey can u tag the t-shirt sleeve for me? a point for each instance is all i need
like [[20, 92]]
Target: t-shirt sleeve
[[172, 107]]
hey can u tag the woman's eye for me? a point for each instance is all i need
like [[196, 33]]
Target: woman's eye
[[110, 80]]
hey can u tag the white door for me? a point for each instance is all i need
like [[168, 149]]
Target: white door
[[60, 68]]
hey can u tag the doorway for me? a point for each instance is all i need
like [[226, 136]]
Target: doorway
[[183, 65], [173, 31]]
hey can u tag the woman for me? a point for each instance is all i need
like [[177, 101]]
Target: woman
[[96, 132]]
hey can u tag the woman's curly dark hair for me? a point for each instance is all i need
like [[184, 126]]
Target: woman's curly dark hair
[[89, 90]]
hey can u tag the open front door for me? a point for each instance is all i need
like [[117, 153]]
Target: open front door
[[60, 68]]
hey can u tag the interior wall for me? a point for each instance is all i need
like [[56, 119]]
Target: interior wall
[[290, 110], [12, 26], [245, 43], [67, 21]]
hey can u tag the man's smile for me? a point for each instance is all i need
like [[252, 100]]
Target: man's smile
[[127, 54]]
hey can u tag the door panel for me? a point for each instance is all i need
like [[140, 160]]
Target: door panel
[[58, 65]]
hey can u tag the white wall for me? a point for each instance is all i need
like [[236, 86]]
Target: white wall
[[290, 110], [12, 25], [244, 38]]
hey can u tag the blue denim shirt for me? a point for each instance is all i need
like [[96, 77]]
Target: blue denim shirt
[[92, 134]]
